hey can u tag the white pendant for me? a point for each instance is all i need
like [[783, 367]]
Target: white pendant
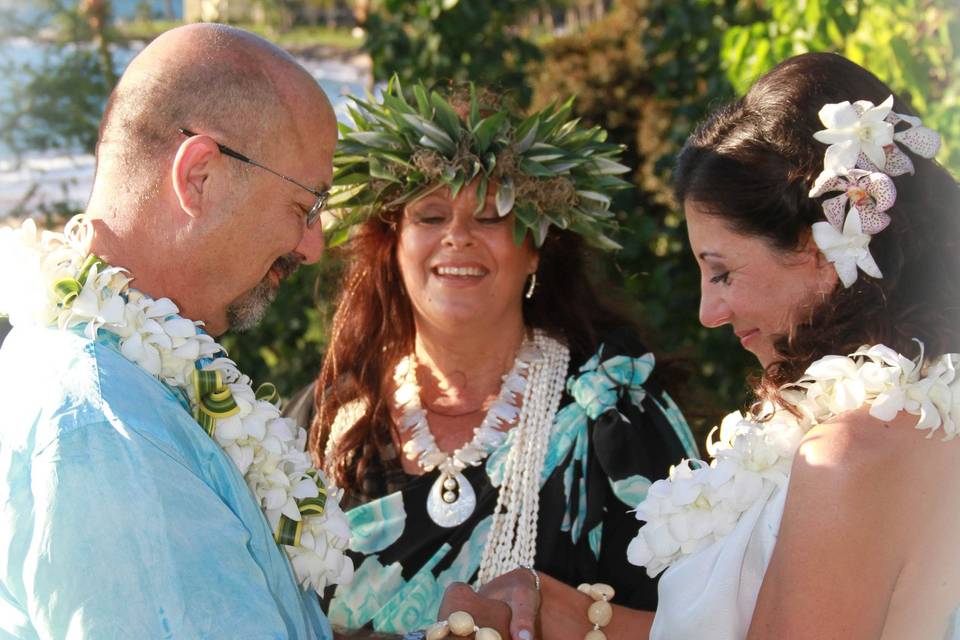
[[449, 505]]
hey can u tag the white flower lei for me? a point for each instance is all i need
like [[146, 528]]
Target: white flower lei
[[59, 283], [699, 504]]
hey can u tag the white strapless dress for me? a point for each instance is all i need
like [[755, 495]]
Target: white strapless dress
[[712, 593], [714, 527]]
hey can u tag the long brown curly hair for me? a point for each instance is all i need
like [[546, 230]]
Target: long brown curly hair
[[373, 328], [753, 163]]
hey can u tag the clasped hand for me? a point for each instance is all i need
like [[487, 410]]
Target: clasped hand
[[509, 603]]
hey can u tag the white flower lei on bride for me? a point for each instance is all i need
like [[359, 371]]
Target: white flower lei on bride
[[59, 283], [699, 504]]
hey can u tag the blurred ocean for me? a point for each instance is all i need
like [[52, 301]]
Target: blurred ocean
[[122, 9], [67, 175]]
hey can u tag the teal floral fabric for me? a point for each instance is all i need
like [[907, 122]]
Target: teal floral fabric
[[617, 431]]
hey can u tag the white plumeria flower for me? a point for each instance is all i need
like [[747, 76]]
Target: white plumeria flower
[[945, 396], [319, 559], [853, 129], [145, 349], [728, 429], [848, 249], [96, 305]]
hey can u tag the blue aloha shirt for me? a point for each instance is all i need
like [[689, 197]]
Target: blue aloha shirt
[[119, 516]]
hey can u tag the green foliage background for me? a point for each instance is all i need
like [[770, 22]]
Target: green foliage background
[[654, 68], [451, 40], [648, 72]]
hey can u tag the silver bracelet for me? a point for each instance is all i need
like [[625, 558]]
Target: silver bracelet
[[536, 576]]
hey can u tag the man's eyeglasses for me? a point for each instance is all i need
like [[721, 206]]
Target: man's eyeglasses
[[321, 196]]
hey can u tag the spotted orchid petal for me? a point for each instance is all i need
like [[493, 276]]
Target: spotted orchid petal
[[898, 163], [872, 194], [896, 118], [826, 183], [835, 209], [921, 140], [880, 187], [872, 221]]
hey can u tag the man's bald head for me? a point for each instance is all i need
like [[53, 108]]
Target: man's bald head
[[190, 222], [215, 79]]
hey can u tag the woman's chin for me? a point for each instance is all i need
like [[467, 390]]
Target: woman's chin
[[764, 354], [454, 318]]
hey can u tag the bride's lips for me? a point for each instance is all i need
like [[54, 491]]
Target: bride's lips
[[747, 336]]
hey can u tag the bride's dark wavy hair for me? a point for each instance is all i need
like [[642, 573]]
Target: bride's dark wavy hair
[[373, 329], [752, 164]]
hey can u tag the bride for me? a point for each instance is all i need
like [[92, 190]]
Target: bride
[[828, 239]]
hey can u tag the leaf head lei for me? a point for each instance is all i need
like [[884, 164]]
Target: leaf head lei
[[545, 168]]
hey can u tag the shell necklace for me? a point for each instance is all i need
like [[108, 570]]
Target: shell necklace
[[452, 499]]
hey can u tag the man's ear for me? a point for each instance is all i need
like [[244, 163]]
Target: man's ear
[[192, 167]]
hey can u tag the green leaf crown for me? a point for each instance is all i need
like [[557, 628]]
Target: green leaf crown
[[546, 168]]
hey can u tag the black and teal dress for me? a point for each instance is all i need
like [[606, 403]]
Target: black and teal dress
[[615, 433]]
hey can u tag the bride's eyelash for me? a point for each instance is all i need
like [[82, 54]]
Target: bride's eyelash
[[723, 278]]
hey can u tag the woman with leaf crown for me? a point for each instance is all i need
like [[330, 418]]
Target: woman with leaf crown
[[483, 409]]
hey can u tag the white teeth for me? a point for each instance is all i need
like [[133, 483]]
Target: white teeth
[[459, 271]]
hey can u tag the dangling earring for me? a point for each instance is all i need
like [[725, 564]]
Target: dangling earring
[[532, 287]]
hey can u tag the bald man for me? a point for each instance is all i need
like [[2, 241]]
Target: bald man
[[119, 516]]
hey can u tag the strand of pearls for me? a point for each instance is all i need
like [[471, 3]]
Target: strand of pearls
[[513, 534]]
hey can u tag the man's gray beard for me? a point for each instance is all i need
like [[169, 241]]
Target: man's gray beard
[[247, 312]]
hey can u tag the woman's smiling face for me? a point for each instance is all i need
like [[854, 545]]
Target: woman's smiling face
[[459, 262], [760, 291]]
